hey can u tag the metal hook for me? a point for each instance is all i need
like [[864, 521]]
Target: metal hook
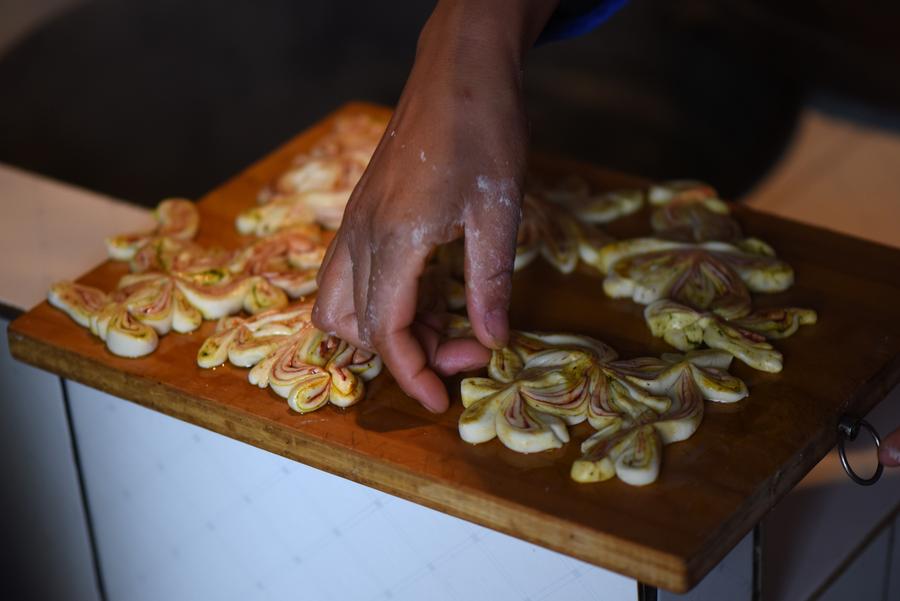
[[848, 429]]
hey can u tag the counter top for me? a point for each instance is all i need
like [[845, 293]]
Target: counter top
[[52, 231]]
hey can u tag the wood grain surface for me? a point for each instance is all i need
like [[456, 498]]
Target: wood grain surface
[[712, 489]]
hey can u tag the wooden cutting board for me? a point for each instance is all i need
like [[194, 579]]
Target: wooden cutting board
[[713, 488]]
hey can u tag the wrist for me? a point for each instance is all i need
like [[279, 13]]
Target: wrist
[[483, 34]]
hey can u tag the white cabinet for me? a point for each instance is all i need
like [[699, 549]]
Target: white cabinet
[[46, 548]]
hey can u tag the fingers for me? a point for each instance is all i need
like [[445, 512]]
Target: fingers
[[388, 283], [889, 452], [333, 311], [326, 260], [389, 315], [448, 357], [490, 249], [361, 258]]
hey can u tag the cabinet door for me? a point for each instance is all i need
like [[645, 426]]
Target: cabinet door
[[46, 549], [184, 513]]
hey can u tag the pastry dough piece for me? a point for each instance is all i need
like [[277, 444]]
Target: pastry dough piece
[[177, 284], [552, 232], [297, 208], [691, 211], [187, 299], [246, 341], [541, 383], [287, 354], [155, 300], [170, 254], [776, 323], [498, 410], [316, 368], [123, 333], [318, 185], [588, 206], [78, 301], [351, 134], [707, 370], [678, 191], [700, 220], [634, 454], [441, 285], [218, 293], [546, 230], [744, 337], [107, 319], [162, 302], [711, 276], [289, 259], [177, 219], [634, 427], [537, 386], [150, 298], [605, 207]]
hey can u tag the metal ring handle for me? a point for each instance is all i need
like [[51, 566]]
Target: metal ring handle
[[848, 429]]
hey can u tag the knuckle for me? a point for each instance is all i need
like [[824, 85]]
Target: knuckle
[[324, 319], [321, 318]]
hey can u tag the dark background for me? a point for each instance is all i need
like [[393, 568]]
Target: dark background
[[145, 99]]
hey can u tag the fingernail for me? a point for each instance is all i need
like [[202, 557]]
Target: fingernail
[[496, 325]]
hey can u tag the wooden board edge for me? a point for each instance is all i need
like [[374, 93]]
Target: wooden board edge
[[731, 532], [644, 564]]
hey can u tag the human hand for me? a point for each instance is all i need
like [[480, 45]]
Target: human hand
[[451, 164], [889, 452]]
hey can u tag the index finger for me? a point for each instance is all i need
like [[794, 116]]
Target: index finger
[[390, 311]]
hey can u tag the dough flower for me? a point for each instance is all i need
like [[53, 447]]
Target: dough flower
[[287, 354], [289, 260], [107, 319], [587, 205], [743, 337], [536, 386], [552, 232], [316, 188], [175, 284], [650, 403], [691, 212], [177, 221], [711, 276]]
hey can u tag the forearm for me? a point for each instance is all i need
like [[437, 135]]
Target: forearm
[[482, 38], [451, 165]]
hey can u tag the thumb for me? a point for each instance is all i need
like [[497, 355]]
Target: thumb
[[889, 453], [490, 249]]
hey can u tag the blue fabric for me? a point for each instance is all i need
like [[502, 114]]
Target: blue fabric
[[562, 25]]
